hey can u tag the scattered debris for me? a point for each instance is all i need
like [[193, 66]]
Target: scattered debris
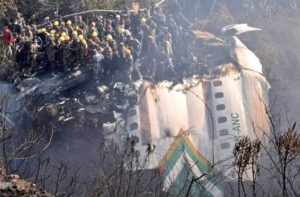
[[12, 185]]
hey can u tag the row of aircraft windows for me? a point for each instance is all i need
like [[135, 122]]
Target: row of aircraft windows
[[221, 119]]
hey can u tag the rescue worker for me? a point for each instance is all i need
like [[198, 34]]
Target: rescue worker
[[146, 33], [95, 38], [7, 41], [69, 27], [52, 50], [107, 65], [149, 60], [75, 47], [33, 53], [19, 24], [81, 24], [84, 49], [111, 42], [128, 66], [97, 65], [109, 31], [92, 28], [56, 26], [134, 45]]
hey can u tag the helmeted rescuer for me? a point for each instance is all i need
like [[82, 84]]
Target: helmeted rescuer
[[7, 37], [52, 31], [69, 23], [56, 23], [43, 30], [61, 39], [143, 21], [94, 34], [80, 37], [109, 38], [63, 34]]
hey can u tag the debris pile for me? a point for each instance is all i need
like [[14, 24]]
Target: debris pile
[[12, 185]]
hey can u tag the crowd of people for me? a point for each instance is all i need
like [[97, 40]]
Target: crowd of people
[[121, 45]]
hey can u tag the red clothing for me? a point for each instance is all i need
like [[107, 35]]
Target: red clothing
[[7, 38]]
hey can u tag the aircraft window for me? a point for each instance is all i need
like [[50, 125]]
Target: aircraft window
[[133, 126], [225, 145], [217, 83], [223, 132], [222, 119], [132, 113], [220, 107], [219, 95]]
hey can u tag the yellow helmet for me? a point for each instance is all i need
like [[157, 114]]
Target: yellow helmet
[[80, 37], [121, 30], [56, 23], [63, 34], [76, 28], [52, 35], [61, 39], [43, 30], [69, 22], [94, 34], [74, 33], [52, 31], [143, 21], [109, 37]]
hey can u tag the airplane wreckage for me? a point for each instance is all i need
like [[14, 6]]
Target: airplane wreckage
[[186, 129], [190, 129]]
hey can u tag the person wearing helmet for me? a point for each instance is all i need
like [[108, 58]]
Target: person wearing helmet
[[69, 27], [143, 21], [109, 38], [63, 34], [69, 23], [95, 39], [74, 33], [94, 34], [63, 28], [52, 31], [120, 35], [61, 39], [91, 29], [56, 24], [80, 37], [84, 48]]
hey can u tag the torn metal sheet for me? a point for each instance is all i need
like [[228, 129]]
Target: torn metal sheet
[[237, 29], [244, 57]]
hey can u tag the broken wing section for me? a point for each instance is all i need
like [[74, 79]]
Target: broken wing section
[[244, 57]]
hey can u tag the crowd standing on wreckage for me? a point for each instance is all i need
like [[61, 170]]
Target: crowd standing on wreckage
[[156, 39]]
